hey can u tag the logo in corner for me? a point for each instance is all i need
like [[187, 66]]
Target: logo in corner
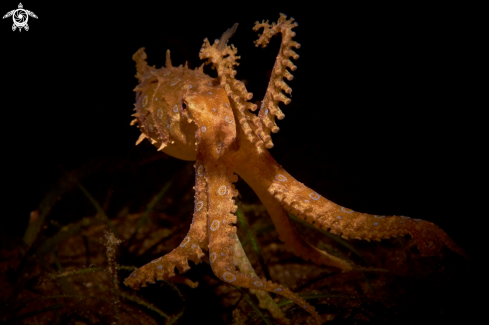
[[20, 17]]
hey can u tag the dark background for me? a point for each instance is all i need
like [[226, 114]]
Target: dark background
[[376, 121]]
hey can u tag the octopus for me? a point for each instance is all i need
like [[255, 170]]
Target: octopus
[[192, 116]]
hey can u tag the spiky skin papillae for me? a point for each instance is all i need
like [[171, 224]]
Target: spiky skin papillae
[[191, 116]]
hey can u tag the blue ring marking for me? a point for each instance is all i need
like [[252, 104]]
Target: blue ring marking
[[315, 196], [343, 209], [185, 241], [228, 274], [215, 225], [222, 190], [280, 178]]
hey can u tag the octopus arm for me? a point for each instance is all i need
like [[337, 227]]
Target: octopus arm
[[277, 88], [260, 172], [221, 227], [266, 302], [226, 36], [163, 268], [311, 207], [215, 142]]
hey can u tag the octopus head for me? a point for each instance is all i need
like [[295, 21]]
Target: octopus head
[[161, 110]]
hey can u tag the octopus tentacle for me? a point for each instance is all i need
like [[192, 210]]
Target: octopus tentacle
[[223, 58], [222, 232], [269, 108], [213, 128], [259, 172], [266, 302], [311, 207], [163, 268]]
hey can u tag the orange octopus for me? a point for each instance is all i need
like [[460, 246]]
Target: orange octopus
[[192, 116]]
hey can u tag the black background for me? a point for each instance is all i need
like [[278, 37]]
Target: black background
[[376, 121]]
